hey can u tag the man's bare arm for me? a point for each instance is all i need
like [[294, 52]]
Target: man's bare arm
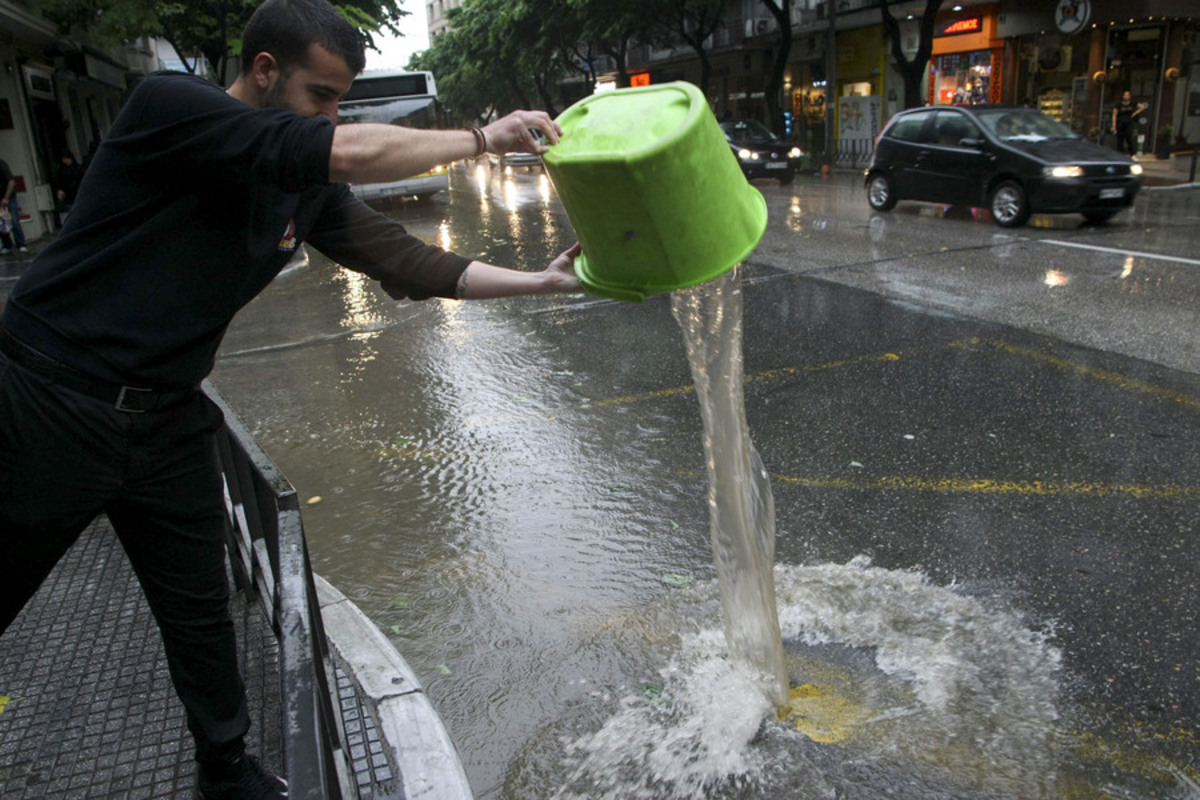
[[372, 153], [482, 281]]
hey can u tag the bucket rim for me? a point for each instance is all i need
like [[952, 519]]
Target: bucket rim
[[694, 109]]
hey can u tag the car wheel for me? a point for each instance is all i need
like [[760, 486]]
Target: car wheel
[[786, 178], [1010, 206], [879, 192], [1099, 217]]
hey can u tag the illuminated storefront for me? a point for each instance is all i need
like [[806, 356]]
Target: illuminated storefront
[[967, 55]]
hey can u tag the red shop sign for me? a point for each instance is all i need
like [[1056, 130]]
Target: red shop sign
[[968, 25]]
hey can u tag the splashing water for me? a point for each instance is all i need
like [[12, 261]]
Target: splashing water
[[928, 693], [741, 507], [943, 695]]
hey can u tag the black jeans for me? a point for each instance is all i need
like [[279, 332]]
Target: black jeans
[[65, 458], [1126, 141]]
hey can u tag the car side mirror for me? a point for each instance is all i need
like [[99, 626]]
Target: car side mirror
[[971, 142]]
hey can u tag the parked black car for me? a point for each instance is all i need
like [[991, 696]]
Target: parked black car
[[761, 153], [1014, 161]]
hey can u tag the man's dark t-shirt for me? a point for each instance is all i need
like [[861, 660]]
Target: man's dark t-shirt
[[1125, 111], [191, 206]]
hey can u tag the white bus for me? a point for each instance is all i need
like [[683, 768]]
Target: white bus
[[396, 98]]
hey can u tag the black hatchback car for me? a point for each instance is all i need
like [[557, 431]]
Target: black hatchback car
[[1014, 161], [760, 152]]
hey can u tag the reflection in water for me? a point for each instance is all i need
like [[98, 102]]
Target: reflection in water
[[359, 300], [1127, 267], [1056, 277]]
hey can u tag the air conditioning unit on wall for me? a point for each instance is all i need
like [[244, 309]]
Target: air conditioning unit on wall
[[1053, 58], [759, 27]]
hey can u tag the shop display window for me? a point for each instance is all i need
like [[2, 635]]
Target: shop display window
[[963, 78]]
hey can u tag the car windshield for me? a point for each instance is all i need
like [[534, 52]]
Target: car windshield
[[747, 130], [1023, 125]]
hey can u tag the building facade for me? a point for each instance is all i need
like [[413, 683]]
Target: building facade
[[1069, 58], [56, 95]]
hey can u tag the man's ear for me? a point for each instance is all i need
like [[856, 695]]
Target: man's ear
[[265, 71]]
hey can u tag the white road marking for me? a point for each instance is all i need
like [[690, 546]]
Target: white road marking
[[1119, 252]]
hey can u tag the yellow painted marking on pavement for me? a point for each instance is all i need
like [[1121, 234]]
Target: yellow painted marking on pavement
[[1106, 376], [771, 374], [822, 715], [993, 486], [1132, 759]]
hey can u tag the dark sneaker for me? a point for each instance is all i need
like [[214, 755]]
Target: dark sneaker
[[243, 780]]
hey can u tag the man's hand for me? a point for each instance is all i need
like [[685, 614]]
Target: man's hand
[[511, 134], [563, 266]]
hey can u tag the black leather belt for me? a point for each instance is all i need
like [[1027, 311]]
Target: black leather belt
[[130, 399]]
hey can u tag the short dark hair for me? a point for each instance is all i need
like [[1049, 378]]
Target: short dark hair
[[286, 29]]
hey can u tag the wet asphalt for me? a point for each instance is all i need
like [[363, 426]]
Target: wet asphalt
[[1015, 412]]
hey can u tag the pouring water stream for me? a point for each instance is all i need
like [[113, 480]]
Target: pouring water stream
[[741, 506]]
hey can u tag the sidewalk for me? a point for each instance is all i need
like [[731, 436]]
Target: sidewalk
[[87, 709], [1166, 171]]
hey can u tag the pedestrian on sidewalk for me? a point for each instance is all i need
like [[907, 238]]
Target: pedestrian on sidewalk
[[1126, 115], [14, 238], [196, 198]]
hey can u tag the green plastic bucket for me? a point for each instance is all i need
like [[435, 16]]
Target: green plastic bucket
[[653, 191]]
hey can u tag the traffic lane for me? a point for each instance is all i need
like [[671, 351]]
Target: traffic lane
[[1161, 220], [1131, 286], [1056, 479], [1062, 480]]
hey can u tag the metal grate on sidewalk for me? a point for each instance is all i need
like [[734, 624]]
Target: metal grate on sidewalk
[[90, 712]]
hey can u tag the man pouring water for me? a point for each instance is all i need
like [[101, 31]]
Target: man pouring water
[[195, 200]]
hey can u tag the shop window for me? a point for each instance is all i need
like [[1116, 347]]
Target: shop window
[[963, 78]]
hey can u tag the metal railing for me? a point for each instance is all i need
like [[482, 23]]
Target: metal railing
[[852, 152], [270, 558]]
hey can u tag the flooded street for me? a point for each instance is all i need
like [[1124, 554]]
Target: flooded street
[[986, 502]]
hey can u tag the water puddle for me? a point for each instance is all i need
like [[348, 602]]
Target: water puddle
[[902, 688], [822, 681]]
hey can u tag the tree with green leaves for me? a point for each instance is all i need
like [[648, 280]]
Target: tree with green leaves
[[208, 28], [692, 22], [477, 64], [611, 27]]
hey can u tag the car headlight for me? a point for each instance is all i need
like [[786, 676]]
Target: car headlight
[[1135, 169], [1063, 172], [746, 155], [795, 152]]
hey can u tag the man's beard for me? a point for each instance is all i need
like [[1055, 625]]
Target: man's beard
[[276, 95]]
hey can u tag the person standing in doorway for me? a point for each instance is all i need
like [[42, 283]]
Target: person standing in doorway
[[195, 200], [65, 183], [1125, 118], [9, 204]]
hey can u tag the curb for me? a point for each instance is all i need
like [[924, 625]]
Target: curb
[[411, 730]]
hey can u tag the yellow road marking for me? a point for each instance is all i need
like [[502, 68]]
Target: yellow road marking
[[822, 714], [974, 344], [767, 375], [992, 486], [1103, 375]]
